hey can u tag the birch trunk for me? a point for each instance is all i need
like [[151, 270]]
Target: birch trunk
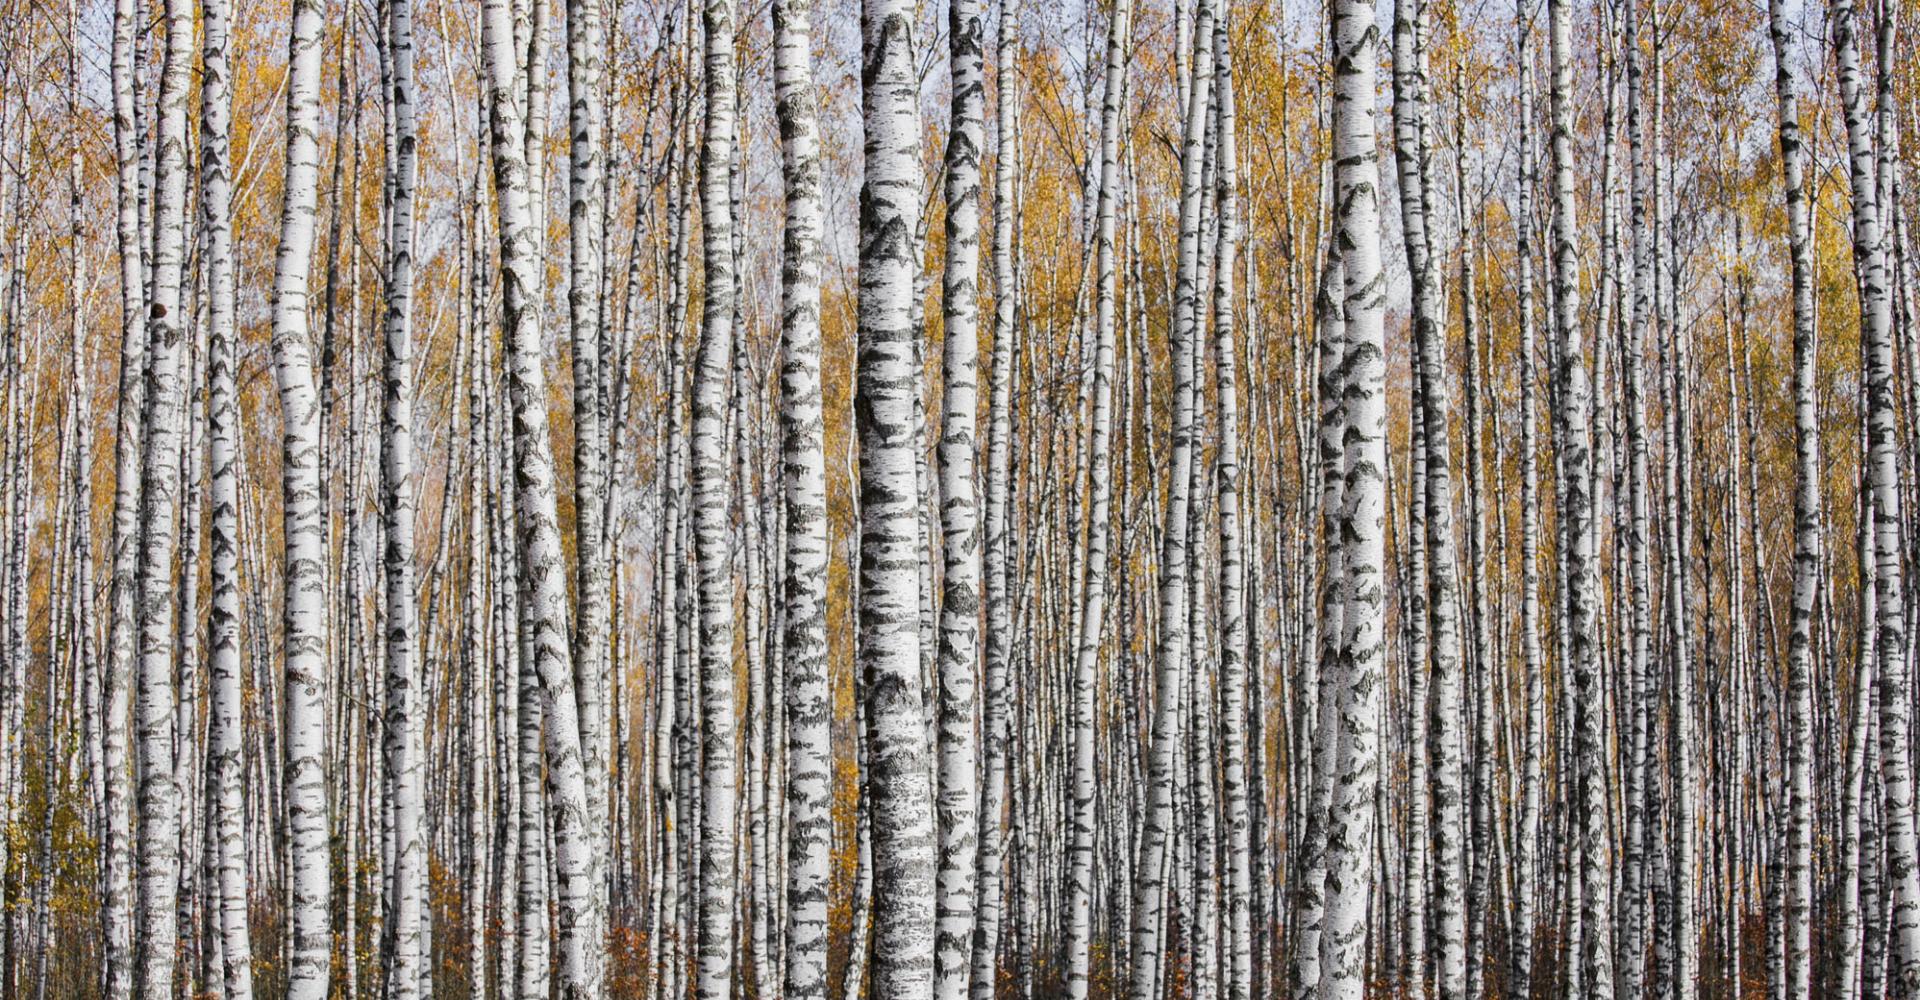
[[1527, 837], [1882, 464], [1855, 878], [959, 616], [225, 744], [117, 823], [593, 619], [1233, 666], [1172, 660], [1362, 629], [1309, 916], [808, 693], [161, 488], [1093, 599], [1806, 533], [541, 569], [889, 605], [999, 625], [405, 947], [309, 950], [1639, 664], [708, 465], [1580, 585], [1412, 155]]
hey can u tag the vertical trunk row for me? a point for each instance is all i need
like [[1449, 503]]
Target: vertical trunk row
[[593, 617], [117, 824], [1639, 666], [1527, 861], [1234, 665], [1806, 546], [543, 645], [1172, 655], [1412, 145], [1093, 598], [990, 854], [1311, 881], [1883, 476], [405, 946], [1580, 583]]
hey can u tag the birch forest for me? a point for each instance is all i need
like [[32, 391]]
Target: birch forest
[[959, 499]]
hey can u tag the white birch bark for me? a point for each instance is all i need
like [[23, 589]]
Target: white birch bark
[[117, 823], [1479, 724], [999, 626], [159, 796], [1882, 464], [1172, 659], [959, 617], [1309, 912], [667, 802], [593, 619], [1362, 633], [889, 606], [709, 468], [1233, 664], [1527, 838], [808, 693], [1580, 587], [541, 566], [1856, 878], [1412, 155], [225, 743], [305, 624], [1641, 682], [533, 976], [1806, 538], [1676, 952], [405, 945], [1093, 598], [80, 625]]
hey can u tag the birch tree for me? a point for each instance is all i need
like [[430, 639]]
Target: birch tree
[[1580, 576], [1640, 665], [1806, 524], [999, 627], [586, 251], [712, 378], [405, 945], [161, 485], [226, 739], [1093, 598], [1233, 665], [958, 666], [117, 823], [541, 571], [1361, 638], [1124, 701], [1876, 322], [804, 484], [305, 638], [1172, 654], [889, 630]]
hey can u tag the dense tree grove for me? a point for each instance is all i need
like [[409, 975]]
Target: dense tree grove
[[958, 500]]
